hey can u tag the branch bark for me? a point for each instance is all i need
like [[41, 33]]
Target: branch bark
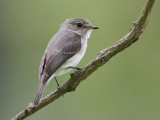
[[99, 60]]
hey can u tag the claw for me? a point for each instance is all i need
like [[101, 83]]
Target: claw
[[75, 72], [77, 69]]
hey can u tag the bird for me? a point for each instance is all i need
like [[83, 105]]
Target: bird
[[64, 51]]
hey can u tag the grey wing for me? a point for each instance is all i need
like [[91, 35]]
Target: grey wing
[[68, 48], [42, 64]]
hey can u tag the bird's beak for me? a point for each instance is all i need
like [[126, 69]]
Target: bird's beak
[[92, 27]]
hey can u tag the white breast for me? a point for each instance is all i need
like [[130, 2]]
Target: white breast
[[73, 61]]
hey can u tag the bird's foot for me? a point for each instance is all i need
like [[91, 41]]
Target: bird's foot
[[58, 85], [77, 69]]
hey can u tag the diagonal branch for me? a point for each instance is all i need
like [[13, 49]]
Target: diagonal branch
[[98, 61]]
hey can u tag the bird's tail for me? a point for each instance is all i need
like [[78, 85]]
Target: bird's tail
[[39, 93]]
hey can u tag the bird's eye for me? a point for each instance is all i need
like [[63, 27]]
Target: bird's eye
[[79, 24]]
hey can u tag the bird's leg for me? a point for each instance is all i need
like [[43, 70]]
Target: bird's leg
[[77, 69], [58, 85]]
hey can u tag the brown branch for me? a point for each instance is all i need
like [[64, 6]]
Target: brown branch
[[98, 61]]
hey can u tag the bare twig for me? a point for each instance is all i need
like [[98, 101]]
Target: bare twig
[[99, 60]]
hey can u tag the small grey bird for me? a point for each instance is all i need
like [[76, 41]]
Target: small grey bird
[[64, 51]]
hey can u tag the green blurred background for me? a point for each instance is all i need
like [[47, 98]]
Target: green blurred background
[[126, 88]]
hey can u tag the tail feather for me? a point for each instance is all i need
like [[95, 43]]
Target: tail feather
[[39, 93]]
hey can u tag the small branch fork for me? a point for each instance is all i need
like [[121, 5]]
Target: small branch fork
[[99, 60]]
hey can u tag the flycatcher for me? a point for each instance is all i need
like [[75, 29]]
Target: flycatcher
[[64, 51]]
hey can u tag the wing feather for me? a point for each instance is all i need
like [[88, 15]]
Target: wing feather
[[58, 51]]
